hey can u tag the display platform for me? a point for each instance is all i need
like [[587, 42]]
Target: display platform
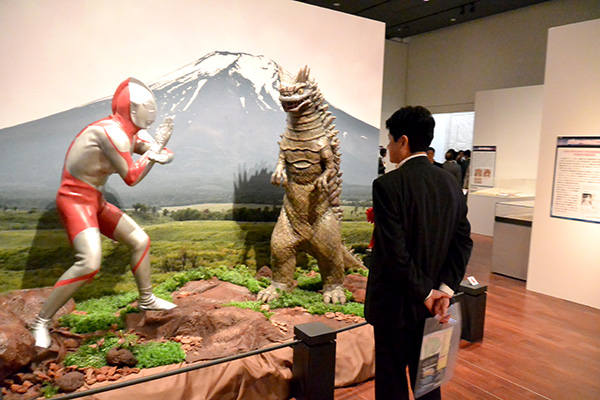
[[217, 340], [259, 377]]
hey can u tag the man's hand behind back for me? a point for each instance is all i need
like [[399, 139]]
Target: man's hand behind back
[[438, 304]]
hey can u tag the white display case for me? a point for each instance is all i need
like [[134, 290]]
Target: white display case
[[512, 237], [482, 204]]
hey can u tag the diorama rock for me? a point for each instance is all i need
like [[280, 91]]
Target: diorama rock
[[71, 381], [121, 358], [17, 309], [16, 345], [357, 284]]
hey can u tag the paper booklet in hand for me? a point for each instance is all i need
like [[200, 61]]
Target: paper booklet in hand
[[438, 352]]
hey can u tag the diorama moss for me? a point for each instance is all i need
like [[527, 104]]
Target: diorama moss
[[313, 303], [100, 314], [240, 275], [155, 354], [257, 306], [49, 390], [92, 353]]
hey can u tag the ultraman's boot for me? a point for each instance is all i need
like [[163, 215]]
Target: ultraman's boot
[[141, 272], [148, 301], [41, 333], [58, 298], [139, 243], [88, 254]]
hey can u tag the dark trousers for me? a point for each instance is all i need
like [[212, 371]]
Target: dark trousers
[[394, 350]]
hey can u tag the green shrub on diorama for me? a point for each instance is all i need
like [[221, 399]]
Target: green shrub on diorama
[[92, 353], [313, 303], [155, 354], [257, 306], [240, 275], [100, 314]]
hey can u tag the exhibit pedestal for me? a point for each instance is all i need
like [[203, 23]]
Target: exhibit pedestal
[[315, 352], [472, 300]]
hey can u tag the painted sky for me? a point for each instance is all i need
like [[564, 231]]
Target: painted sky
[[59, 54]]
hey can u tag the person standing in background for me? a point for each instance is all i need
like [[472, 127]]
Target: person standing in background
[[381, 162]]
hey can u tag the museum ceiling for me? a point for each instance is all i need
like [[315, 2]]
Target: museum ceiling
[[404, 18]]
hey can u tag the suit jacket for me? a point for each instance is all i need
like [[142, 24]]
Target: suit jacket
[[454, 169], [421, 239]]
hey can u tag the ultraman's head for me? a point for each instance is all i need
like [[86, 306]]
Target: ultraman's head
[[134, 102]]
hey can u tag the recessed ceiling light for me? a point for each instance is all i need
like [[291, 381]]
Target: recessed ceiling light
[[336, 4]]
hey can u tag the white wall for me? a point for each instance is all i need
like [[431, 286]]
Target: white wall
[[444, 69], [510, 119], [394, 86], [564, 257], [448, 66]]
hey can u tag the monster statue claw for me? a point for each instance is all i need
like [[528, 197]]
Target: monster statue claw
[[101, 149], [309, 168]]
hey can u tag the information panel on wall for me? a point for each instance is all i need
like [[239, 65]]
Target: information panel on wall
[[576, 186], [482, 167]]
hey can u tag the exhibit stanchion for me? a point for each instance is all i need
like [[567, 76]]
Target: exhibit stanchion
[[313, 368], [472, 298]]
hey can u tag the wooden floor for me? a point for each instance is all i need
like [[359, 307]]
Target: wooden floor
[[534, 346]]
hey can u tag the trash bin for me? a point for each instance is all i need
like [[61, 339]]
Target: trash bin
[[472, 300]]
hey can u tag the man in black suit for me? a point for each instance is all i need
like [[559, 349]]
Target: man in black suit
[[421, 249]]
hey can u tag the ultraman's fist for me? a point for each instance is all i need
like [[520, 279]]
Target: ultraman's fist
[[163, 132], [164, 157]]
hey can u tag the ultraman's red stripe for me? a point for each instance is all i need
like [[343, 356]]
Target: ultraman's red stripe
[[87, 277], [134, 170], [142, 257]]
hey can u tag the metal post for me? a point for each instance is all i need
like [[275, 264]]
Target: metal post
[[313, 366]]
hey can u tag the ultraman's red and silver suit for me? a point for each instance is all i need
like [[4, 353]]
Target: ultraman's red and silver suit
[[101, 149]]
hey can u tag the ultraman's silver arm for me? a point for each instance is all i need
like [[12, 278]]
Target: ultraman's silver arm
[[156, 146], [116, 145]]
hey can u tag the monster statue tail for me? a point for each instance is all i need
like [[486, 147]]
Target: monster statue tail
[[351, 261]]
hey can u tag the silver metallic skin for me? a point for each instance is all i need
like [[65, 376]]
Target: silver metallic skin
[[103, 148]]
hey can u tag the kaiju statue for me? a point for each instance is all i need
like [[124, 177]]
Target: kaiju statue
[[101, 149], [309, 168]]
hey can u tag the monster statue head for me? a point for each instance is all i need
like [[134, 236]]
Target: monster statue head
[[297, 94]]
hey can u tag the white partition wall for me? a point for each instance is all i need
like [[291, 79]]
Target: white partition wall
[[565, 254], [509, 119]]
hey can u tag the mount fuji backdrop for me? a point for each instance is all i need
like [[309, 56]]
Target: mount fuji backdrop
[[228, 120]]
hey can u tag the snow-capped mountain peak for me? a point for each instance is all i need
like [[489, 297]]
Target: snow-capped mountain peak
[[180, 88]]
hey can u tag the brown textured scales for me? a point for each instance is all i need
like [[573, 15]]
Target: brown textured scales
[[309, 168]]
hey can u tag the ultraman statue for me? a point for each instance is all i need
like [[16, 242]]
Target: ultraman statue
[[101, 149]]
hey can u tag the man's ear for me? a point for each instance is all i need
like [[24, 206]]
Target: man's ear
[[404, 141]]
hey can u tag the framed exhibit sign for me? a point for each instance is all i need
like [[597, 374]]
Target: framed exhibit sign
[[576, 185], [483, 164]]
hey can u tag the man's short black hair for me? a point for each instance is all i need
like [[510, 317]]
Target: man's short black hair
[[416, 123]]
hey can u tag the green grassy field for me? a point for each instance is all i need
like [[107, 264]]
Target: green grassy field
[[34, 250]]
